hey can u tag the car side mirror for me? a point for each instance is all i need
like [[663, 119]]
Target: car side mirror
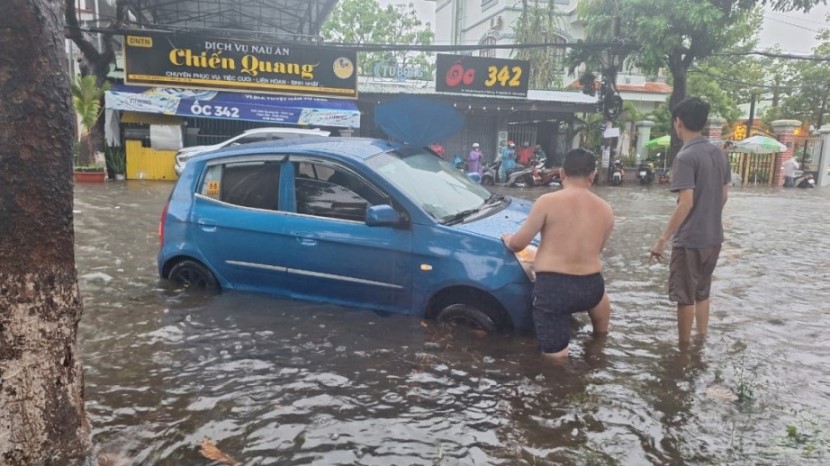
[[382, 215]]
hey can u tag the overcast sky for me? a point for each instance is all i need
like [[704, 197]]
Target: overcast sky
[[794, 32]]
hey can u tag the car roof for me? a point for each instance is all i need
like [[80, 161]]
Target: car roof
[[339, 147], [276, 129]]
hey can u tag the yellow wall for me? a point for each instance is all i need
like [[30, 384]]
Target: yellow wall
[[144, 163]]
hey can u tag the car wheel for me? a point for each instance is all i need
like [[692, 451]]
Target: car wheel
[[488, 181], [467, 316], [192, 274]]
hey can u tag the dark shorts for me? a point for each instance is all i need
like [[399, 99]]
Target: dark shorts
[[690, 274], [555, 297]]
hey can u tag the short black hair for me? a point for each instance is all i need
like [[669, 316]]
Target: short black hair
[[693, 112], [579, 163]]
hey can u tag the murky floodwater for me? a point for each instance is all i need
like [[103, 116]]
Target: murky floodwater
[[274, 381]]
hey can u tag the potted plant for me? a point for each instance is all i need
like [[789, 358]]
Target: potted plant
[[116, 161], [86, 98]]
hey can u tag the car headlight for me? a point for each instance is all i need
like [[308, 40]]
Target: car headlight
[[526, 258]]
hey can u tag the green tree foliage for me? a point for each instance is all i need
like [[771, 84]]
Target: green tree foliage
[[674, 35], [366, 22], [86, 98], [539, 23], [805, 88]]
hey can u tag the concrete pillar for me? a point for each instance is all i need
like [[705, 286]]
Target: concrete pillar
[[785, 130], [643, 136], [822, 179], [714, 128]]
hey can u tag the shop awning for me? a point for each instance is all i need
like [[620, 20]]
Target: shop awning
[[306, 111]]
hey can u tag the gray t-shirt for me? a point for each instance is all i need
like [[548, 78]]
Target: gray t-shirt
[[703, 167]]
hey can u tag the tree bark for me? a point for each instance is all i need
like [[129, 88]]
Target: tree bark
[[42, 418], [679, 77]]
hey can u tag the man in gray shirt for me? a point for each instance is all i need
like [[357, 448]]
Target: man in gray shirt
[[701, 176]]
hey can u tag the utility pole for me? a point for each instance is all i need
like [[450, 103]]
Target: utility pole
[[751, 121]]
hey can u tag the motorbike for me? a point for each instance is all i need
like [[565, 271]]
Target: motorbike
[[616, 174], [518, 176], [645, 172], [543, 176], [804, 180]]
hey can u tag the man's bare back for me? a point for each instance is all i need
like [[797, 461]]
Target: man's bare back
[[577, 224], [574, 225]]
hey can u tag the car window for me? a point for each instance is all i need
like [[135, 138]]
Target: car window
[[328, 191], [252, 138], [246, 184], [441, 190]]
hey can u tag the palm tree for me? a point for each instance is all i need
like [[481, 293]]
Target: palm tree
[[86, 98]]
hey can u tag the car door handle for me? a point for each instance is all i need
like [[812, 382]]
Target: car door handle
[[207, 224], [305, 238]]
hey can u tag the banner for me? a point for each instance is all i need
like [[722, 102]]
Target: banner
[[186, 60], [481, 75], [235, 106]]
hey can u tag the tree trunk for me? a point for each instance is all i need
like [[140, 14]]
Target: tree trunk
[[678, 72], [42, 418]]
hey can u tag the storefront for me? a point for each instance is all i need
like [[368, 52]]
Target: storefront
[[547, 118], [492, 95], [208, 89], [201, 117]]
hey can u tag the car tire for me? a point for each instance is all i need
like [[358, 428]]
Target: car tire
[[468, 316], [192, 274], [488, 181]]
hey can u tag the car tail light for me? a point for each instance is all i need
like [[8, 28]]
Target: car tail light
[[161, 223]]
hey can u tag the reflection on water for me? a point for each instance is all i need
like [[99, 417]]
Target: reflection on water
[[274, 381]]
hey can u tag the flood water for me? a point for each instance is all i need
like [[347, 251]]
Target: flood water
[[274, 381]]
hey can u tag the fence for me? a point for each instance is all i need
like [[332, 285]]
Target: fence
[[753, 168]]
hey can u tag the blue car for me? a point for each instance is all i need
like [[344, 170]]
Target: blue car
[[350, 221]]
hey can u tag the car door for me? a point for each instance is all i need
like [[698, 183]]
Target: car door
[[236, 223], [334, 256]]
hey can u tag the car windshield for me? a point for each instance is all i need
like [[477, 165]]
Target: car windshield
[[441, 190]]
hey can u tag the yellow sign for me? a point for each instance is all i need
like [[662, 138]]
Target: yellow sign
[[739, 132], [137, 41], [213, 189]]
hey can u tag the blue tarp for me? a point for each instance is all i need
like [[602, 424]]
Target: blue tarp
[[314, 111], [419, 121]]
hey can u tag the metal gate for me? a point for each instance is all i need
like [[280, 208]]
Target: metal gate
[[753, 168], [521, 133], [480, 129]]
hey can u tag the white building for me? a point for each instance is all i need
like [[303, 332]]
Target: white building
[[490, 22]]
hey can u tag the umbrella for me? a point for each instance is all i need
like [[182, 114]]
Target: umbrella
[[418, 120], [662, 141], [759, 145]]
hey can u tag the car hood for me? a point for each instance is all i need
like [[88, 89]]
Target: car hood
[[507, 220]]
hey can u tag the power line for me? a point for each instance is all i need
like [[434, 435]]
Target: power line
[[788, 56], [792, 24]]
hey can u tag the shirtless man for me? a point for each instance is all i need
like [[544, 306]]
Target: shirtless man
[[575, 225]]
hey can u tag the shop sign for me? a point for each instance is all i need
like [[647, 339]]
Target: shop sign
[[481, 75], [397, 71], [296, 110], [196, 61]]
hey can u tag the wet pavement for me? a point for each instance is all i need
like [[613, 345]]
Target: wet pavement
[[274, 381]]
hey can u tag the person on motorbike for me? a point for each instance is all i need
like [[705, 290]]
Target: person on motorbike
[[524, 154], [508, 160]]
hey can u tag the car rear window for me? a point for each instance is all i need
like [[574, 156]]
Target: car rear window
[[246, 184]]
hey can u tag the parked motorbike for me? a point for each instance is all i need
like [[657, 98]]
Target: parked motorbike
[[490, 173], [543, 176], [804, 180], [616, 174], [645, 172]]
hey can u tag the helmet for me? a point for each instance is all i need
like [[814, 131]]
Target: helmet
[[475, 144], [511, 143], [526, 144]]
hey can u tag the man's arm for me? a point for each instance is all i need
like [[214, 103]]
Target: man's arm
[[533, 225], [684, 205], [725, 194]]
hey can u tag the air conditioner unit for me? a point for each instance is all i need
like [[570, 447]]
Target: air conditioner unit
[[496, 22]]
